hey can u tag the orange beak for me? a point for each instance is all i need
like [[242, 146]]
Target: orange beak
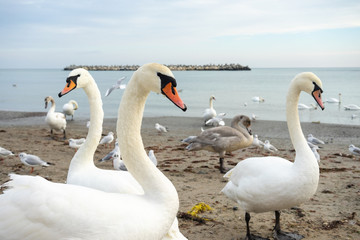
[[317, 96], [171, 93], [70, 85]]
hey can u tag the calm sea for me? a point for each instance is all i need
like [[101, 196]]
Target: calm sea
[[25, 90]]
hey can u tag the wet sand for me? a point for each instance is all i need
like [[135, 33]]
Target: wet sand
[[332, 213]]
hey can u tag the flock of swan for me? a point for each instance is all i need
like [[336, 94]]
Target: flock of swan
[[146, 201]]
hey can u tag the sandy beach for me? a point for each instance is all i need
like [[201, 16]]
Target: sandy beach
[[332, 213]]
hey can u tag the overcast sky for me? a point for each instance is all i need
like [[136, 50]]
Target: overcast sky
[[258, 33]]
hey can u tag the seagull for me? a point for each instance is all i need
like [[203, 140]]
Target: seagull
[[354, 150], [4, 152], [76, 143], [269, 147], [314, 140], [33, 161], [188, 139], [107, 139], [111, 154], [118, 85], [119, 164], [160, 128], [88, 124], [253, 117], [302, 106], [258, 143], [314, 149]]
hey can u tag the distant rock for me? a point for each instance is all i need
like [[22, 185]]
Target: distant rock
[[179, 67]]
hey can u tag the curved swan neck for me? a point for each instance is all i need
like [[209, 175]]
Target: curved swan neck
[[211, 103], [53, 106], [87, 150], [153, 181], [292, 116]]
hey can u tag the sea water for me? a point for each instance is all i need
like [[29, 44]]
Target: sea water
[[25, 90]]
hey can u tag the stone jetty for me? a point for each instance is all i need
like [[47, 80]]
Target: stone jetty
[[178, 67]]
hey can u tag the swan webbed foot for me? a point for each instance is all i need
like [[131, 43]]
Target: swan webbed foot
[[281, 235], [254, 237]]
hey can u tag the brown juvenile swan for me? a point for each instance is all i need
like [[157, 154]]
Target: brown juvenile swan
[[224, 139]]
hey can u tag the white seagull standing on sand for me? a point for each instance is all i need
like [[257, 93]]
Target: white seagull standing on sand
[[314, 140], [269, 147], [120, 165], [354, 150], [118, 85], [160, 128], [258, 143], [107, 139], [4, 152], [111, 155], [33, 161], [76, 143]]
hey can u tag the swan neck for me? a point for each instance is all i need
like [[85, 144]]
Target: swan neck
[[152, 180], [211, 103], [292, 116], [84, 155]]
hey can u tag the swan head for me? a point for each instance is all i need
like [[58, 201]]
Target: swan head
[[47, 100], [78, 78], [310, 83], [245, 121], [159, 79]]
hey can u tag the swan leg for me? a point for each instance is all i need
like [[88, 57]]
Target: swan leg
[[64, 134], [280, 235], [52, 134], [222, 168], [249, 236]]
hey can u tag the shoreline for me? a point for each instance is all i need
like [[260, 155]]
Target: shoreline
[[21, 118]]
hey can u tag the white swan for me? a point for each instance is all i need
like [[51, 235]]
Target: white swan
[[209, 112], [34, 208], [55, 120], [302, 106], [352, 107], [262, 184], [69, 108], [334, 100]]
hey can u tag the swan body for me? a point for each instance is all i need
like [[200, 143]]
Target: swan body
[[69, 108], [209, 112], [334, 100], [55, 120], [352, 107], [79, 212], [302, 106], [262, 184], [216, 121], [224, 139]]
